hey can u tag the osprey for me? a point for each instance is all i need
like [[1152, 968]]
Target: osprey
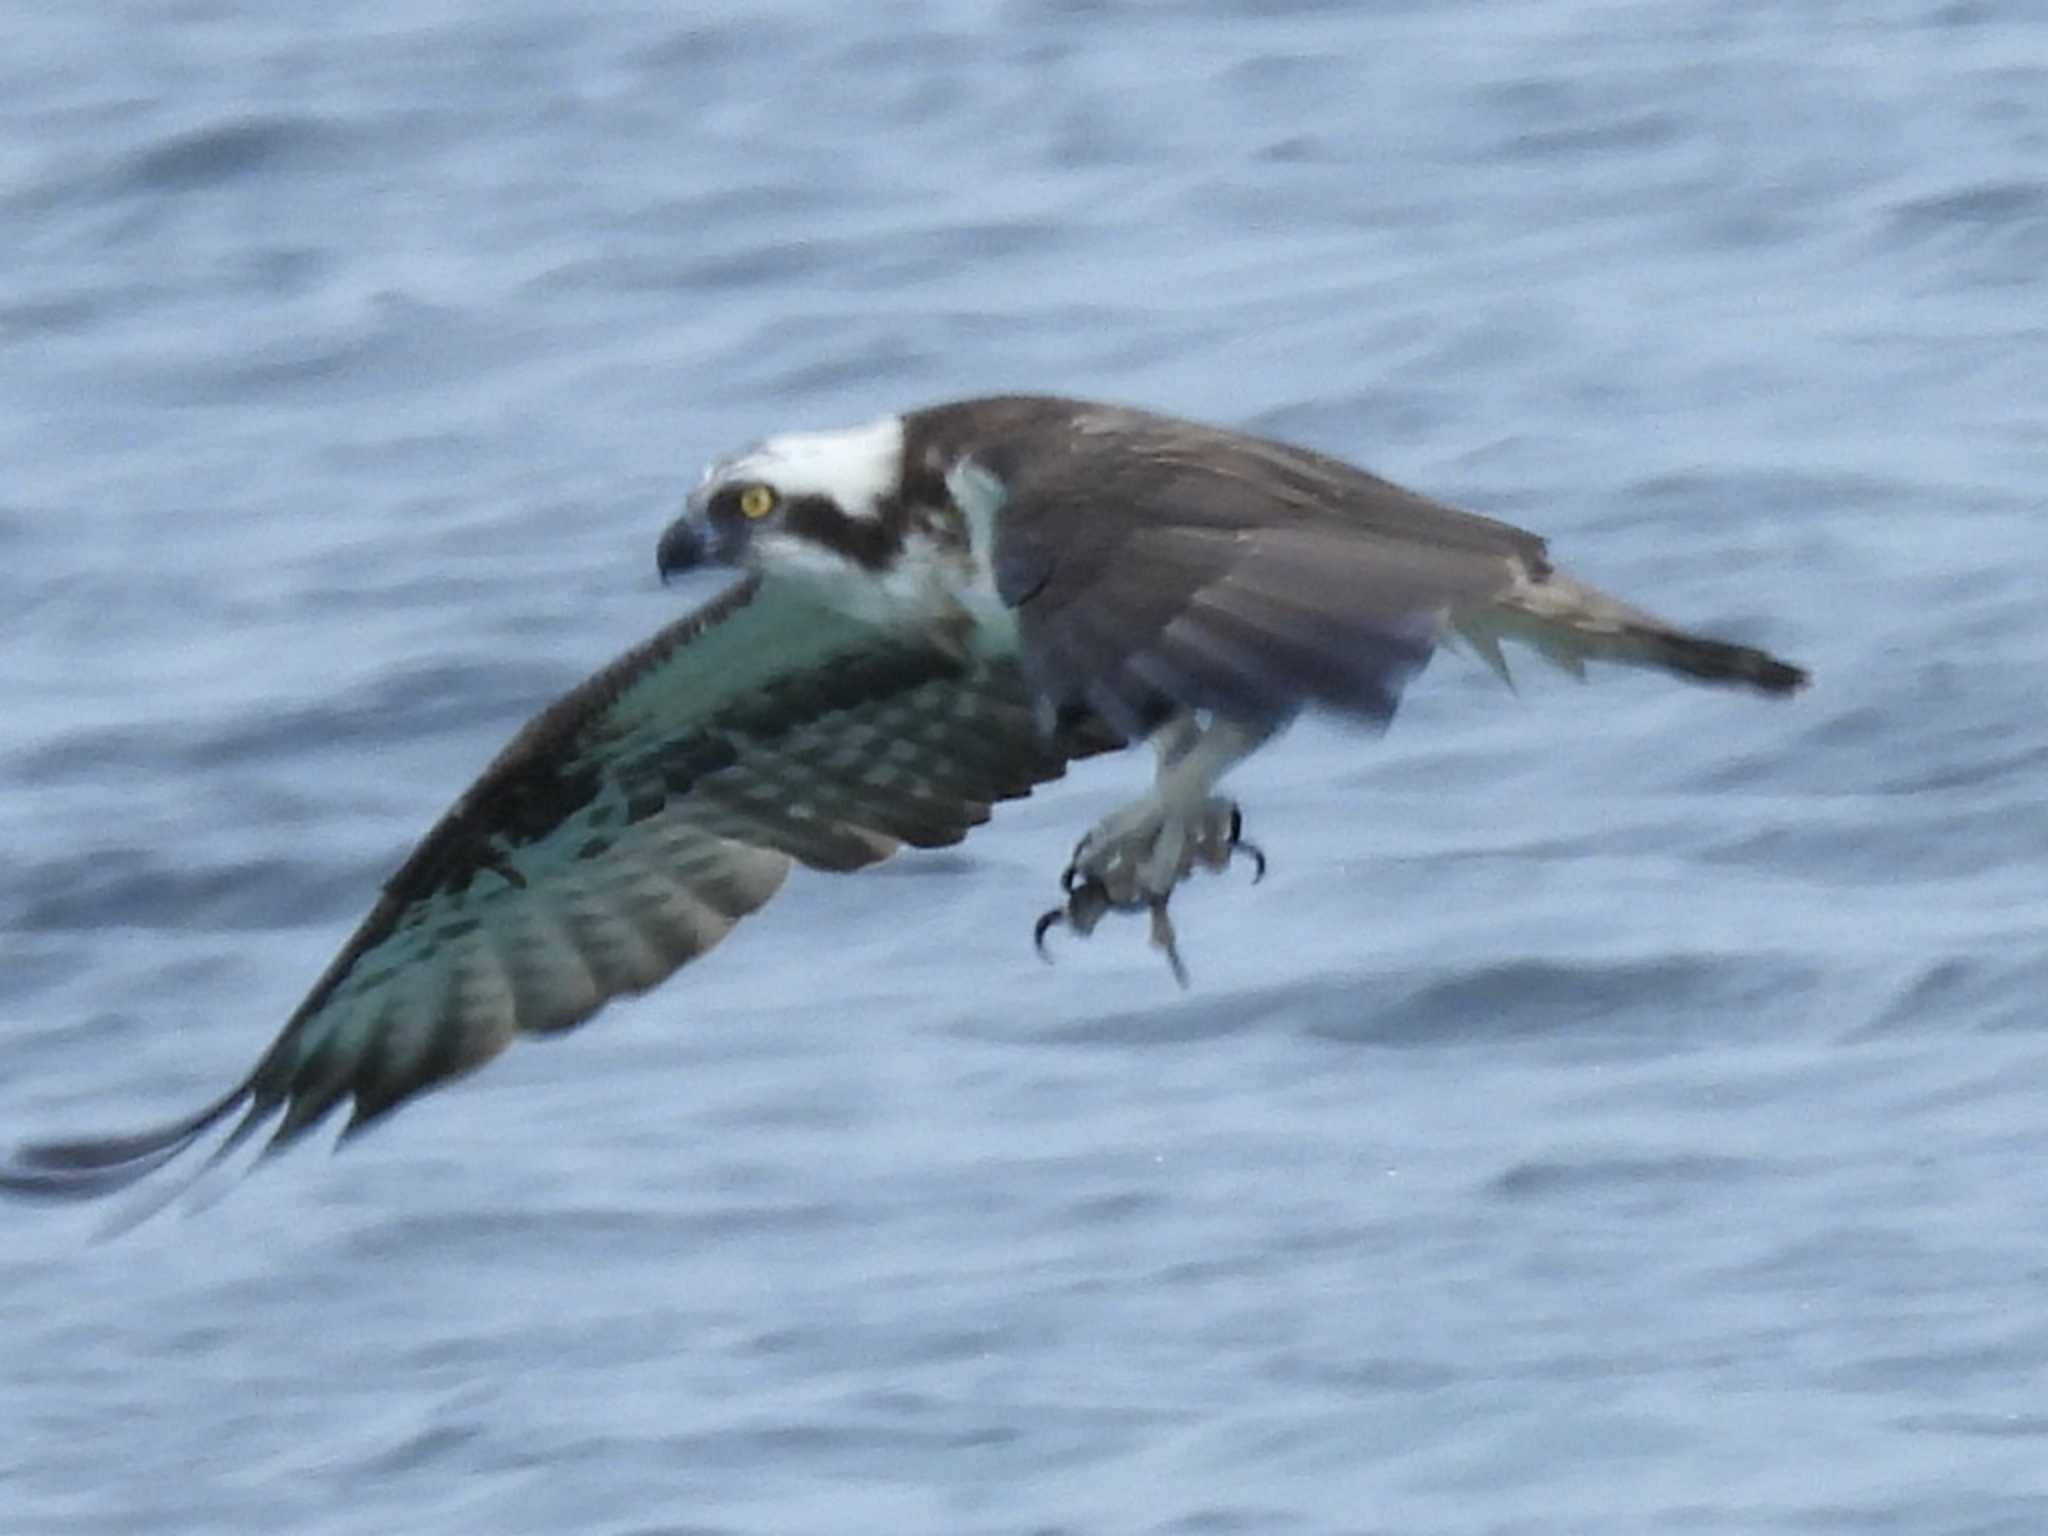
[[934, 612]]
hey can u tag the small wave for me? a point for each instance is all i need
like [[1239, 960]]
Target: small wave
[[1633, 1173], [141, 888], [222, 152], [1988, 205], [1563, 998]]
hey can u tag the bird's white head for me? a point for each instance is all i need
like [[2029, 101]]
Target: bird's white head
[[804, 504]]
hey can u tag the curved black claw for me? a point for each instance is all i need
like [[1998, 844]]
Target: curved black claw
[[1045, 925], [1239, 843], [1087, 903], [1255, 853]]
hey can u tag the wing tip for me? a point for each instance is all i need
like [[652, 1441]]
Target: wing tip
[[89, 1167]]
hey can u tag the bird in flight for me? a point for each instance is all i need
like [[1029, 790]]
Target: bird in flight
[[934, 612]]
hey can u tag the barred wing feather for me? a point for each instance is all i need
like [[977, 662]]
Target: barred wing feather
[[621, 834]]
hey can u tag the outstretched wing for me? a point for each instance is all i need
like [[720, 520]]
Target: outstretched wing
[[1158, 564], [618, 836]]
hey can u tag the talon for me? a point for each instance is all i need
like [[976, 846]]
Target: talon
[[1045, 925], [1132, 862], [1255, 853], [1237, 843], [1088, 900], [1163, 941]]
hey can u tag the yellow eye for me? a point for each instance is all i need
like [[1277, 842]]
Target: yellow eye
[[757, 501]]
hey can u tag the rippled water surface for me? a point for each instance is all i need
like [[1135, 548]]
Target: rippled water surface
[[1622, 1110]]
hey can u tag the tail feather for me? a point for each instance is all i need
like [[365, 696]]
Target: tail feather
[[1570, 623], [1718, 661]]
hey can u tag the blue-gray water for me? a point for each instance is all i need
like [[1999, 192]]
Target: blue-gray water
[[1622, 1110]]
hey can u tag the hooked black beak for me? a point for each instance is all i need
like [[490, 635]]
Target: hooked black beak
[[683, 547]]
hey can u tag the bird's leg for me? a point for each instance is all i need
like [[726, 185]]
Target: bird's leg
[[1135, 856]]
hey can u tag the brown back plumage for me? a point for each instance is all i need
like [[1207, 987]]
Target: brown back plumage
[[1158, 564]]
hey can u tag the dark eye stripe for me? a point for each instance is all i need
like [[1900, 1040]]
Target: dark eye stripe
[[869, 542]]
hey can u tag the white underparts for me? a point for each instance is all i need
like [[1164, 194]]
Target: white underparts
[[979, 496], [828, 576], [930, 588]]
